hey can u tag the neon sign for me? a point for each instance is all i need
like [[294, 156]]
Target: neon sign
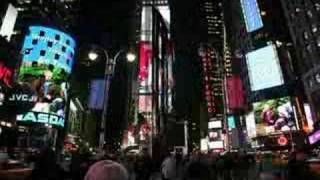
[[44, 118], [6, 75], [23, 98]]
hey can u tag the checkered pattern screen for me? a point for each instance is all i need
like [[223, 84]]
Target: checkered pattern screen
[[49, 46]]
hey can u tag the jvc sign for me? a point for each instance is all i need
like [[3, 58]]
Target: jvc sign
[[23, 98], [40, 117]]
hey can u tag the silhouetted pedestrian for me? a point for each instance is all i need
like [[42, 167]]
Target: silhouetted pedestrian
[[168, 167]]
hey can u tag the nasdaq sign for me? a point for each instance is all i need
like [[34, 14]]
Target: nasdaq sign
[[251, 15], [43, 118]]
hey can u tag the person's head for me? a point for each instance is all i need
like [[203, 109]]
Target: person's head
[[106, 170]]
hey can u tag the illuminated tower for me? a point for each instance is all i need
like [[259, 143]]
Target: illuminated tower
[[155, 71]]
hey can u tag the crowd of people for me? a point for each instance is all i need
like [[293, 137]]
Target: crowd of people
[[174, 166]]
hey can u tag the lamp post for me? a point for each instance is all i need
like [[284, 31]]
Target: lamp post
[[110, 64]]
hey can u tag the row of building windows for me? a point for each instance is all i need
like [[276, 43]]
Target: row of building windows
[[56, 37], [56, 56], [50, 44]]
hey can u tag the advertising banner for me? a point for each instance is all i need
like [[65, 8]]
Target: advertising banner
[[145, 67], [97, 92], [8, 22], [314, 137], [45, 69], [231, 122], [8, 63], [274, 116], [251, 125], [235, 92], [264, 68], [251, 13]]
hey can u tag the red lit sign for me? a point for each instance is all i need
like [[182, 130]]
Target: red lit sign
[[282, 141], [6, 75]]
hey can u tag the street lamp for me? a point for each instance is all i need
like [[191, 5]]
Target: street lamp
[[93, 56], [110, 64]]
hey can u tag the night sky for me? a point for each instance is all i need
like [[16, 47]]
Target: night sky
[[112, 26]]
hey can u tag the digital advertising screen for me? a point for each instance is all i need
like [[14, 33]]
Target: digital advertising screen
[[47, 62], [274, 116], [251, 13], [264, 68], [314, 137], [231, 122]]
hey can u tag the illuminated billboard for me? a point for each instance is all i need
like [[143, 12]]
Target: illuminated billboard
[[235, 92], [214, 124], [45, 68], [274, 116], [251, 13], [8, 22], [264, 68], [251, 125], [49, 47], [314, 137], [231, 122]]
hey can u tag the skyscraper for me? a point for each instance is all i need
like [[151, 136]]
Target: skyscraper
[[155, 77], [303, 19]]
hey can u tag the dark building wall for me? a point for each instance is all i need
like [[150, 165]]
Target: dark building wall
[[303, 19]]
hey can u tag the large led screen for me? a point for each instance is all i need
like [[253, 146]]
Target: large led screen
[[264, 68], [49, 47], [46, 65], [274, 116], [251, 13]]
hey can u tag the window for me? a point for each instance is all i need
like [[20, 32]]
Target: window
[[309, 48], [309, 13], [68, 42], [35, 41], [56, 56], [42, 33], [50, 44], [68, 62], [314, 28], [317, 6], [305, 35], [42, 53], [57, 37], [64, 49]]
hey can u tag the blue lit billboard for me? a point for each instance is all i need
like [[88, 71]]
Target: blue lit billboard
[[264, 68], [46, 64], [251, 13], [50, 47], [231, 122]]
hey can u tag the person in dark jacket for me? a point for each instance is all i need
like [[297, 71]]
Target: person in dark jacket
[[197, 170], [46, 167]]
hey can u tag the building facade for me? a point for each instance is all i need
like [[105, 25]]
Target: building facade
[[303, 20], [253, 27]]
